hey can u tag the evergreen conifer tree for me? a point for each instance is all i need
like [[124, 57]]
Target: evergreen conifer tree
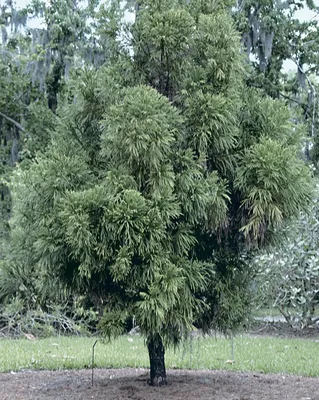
[[164, 170]]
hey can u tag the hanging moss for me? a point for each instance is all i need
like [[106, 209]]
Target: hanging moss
[[259, 36], [4, 35], [18, 19]]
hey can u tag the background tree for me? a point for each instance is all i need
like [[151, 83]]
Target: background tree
[[289, 273]]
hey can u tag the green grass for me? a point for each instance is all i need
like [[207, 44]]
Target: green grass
[[267, 355]]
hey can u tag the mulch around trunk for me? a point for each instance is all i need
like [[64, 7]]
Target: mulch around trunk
[[110, 384]]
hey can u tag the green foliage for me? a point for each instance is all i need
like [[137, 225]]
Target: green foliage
[[217, 50], [228, 291], [139, 135], [263, 116], [160, 41], [268, 177], [289, 274], [34, 64], [127, 226], [215, 117]]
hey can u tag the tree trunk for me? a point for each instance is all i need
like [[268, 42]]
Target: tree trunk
[[53, 83], [156, 353]]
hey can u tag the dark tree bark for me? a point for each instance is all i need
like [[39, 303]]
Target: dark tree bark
[[156, 353], [54, 84]]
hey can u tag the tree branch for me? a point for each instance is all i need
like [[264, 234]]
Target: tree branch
[[300, 103], [19, 126]]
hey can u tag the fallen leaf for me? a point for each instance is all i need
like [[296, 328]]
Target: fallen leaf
[[29, 336]]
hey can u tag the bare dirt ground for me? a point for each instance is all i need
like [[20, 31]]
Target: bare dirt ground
[[283, 330], [132, 384]]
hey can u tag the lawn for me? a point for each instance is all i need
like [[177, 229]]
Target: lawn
[[262, 354]]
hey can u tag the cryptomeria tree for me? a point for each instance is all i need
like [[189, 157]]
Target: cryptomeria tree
[[163, 171]]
